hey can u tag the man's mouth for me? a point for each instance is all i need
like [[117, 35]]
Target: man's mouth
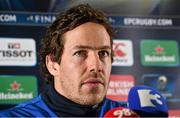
[[93, 82]]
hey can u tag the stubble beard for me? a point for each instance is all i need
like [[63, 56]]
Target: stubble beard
[[81, 96], [94, 96]]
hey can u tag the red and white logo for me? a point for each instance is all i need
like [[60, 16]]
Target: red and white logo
[[119, 87], [174, 113], [123, 54], [120, 112]]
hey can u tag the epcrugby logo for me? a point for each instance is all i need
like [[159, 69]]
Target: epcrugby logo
[[17, 52]]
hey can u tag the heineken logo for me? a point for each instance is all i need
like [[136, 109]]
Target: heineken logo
[[17, 89], [15, 96], [15, 86], [149, 58], [159, 52]]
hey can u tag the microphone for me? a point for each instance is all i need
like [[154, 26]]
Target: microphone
[[147, 102], [120, 112]]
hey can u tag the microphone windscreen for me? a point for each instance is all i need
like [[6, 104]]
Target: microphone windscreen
[[147, 101], [120, 112]]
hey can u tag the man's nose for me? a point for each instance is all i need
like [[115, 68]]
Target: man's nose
[[94, 63]]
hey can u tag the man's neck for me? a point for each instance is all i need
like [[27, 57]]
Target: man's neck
[[67, 108]]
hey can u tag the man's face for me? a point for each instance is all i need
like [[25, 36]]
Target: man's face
[[84, 70]]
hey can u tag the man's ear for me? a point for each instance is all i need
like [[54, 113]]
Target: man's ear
[[53, 67]]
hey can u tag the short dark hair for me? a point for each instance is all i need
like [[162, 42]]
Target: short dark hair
[[53, 44]]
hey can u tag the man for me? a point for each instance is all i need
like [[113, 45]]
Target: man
[[76, 57]]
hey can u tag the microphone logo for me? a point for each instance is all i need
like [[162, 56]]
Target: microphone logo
[[120, 112], [145, 98]]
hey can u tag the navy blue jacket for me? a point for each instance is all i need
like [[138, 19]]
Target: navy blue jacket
[[38, 108]]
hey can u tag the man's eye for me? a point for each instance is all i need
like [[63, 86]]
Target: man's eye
[[81, 53], [104, 53]]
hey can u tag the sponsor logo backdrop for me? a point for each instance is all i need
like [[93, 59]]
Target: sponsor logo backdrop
[[146, 48]]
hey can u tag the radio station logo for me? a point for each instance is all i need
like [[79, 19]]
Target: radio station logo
[[17, 52], [159, 53], [17, 89], [119, 87], [123, 54]]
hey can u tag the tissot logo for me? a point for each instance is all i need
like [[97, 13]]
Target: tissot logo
[[17, 52], [159, 52], [16, 89], [123, 55], [14, 45]]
